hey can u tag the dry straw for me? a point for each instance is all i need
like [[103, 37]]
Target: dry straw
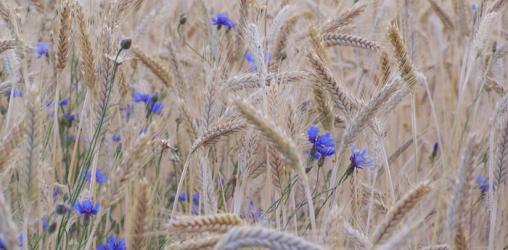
[[10, 142], [155, 66], [240, 237]]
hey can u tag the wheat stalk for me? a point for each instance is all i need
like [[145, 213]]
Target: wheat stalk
[[240, 237], [214, 133], [344, 19]]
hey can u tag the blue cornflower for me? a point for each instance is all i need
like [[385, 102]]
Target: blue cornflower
[[255, 213], [69, 117], [155, 107], [15, 93], [312, 133], [116, 138], [325, 145], [87, 208], [2, 245], [483, 184], [56, 193], [21, 239], [222, 19], [250, 59], [100, 177], [195, 203], [359, 158], [141, 97], [41, 49], [48, 103], [45, 223], [113, 244], [63, 102]]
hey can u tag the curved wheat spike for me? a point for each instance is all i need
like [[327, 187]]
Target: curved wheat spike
[[217, 131], [399, 211], [7, 44], [407, 72], [334, 39], [240, 237], [282, 143], [437, 247], [344, 19], [140, 217], [206, 223], [156, 67], [63, 36], [86, 47], [10, 142]]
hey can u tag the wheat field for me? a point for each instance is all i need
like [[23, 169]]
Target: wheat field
[[251, 124]]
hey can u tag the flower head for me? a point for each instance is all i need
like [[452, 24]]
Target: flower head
[[87, 208], [155, 107], [252, 62], [312, 133], [359, 158], [222, 19], [63, 102], [41, 49], [100, 177], [15, 93], [116, 138], [141, 97], [195, 203], [2, 245], [256, 214], [325, 145], [483, 184], [113, 244]]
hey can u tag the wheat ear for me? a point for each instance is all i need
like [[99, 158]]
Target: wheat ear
[[221, 129], [334, 39], [399, 211], [207, 223], [10, 142], [282, 143], [407, 72], [86, 47], [240, 237], [156, 67], [140, 216], [344, 100], [7, 44], [63, 36], [344, 19]]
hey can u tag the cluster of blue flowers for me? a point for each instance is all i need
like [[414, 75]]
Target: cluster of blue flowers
[[21, 242], [195, 201], [113, 244], [153, 105], [322, 145]]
